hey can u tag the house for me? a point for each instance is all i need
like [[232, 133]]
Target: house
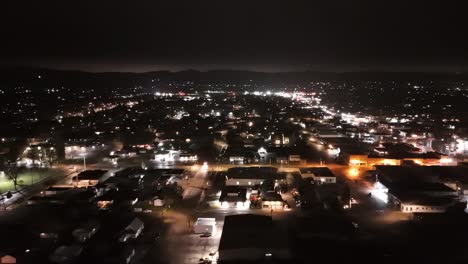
[[121, 197], [283, 155], [319, 174], [132, 231], [158, 201], [251, 238], [86, 231], [106, 200], [128, 253]]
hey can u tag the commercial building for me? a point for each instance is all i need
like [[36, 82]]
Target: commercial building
[[416, 189], [319, 174], [233, 196], [89, 178], [418, 159], [249, 238], [251, 176], [425, 204]]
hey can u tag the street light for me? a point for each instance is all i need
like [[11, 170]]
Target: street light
[[204, 166], [83, 149]]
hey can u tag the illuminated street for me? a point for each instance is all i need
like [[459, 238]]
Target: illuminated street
[[228, 132]]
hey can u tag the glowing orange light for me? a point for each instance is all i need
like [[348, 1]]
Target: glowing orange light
[[353, 172]]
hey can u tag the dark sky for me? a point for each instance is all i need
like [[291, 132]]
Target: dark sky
[[272, 35]]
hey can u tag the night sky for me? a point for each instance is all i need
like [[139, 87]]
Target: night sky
[[253, 35]]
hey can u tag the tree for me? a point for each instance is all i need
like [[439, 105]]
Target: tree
[[12, 172], [33, 154]]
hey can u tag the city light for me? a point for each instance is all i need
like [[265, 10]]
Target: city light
[[204, 167], [380, 192], [205, 134], [353, 172], [446, 160]]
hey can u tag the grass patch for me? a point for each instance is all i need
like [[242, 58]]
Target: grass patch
[[26, 178]]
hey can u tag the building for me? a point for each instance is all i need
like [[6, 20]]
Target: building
[[167, 155], [188, 157], [319, 174], [272, 200], [425, 204], [283, 138], [249, 238], [414, 189], [205, 226], [251, 176], [89, 178], [80, 149], [429, 158], [233, 196], [132, 231]]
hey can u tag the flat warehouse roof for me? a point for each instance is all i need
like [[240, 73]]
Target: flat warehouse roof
[[253, 173], [250, 231]]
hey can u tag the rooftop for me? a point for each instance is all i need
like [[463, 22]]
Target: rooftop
[[253, 173], [318, 171], [91, 174], [250, 231]]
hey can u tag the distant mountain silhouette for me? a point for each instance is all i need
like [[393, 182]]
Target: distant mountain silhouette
[[22, 76]]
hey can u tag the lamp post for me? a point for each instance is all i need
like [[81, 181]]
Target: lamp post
[[40, 156], [83, 153], [83, 149]]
